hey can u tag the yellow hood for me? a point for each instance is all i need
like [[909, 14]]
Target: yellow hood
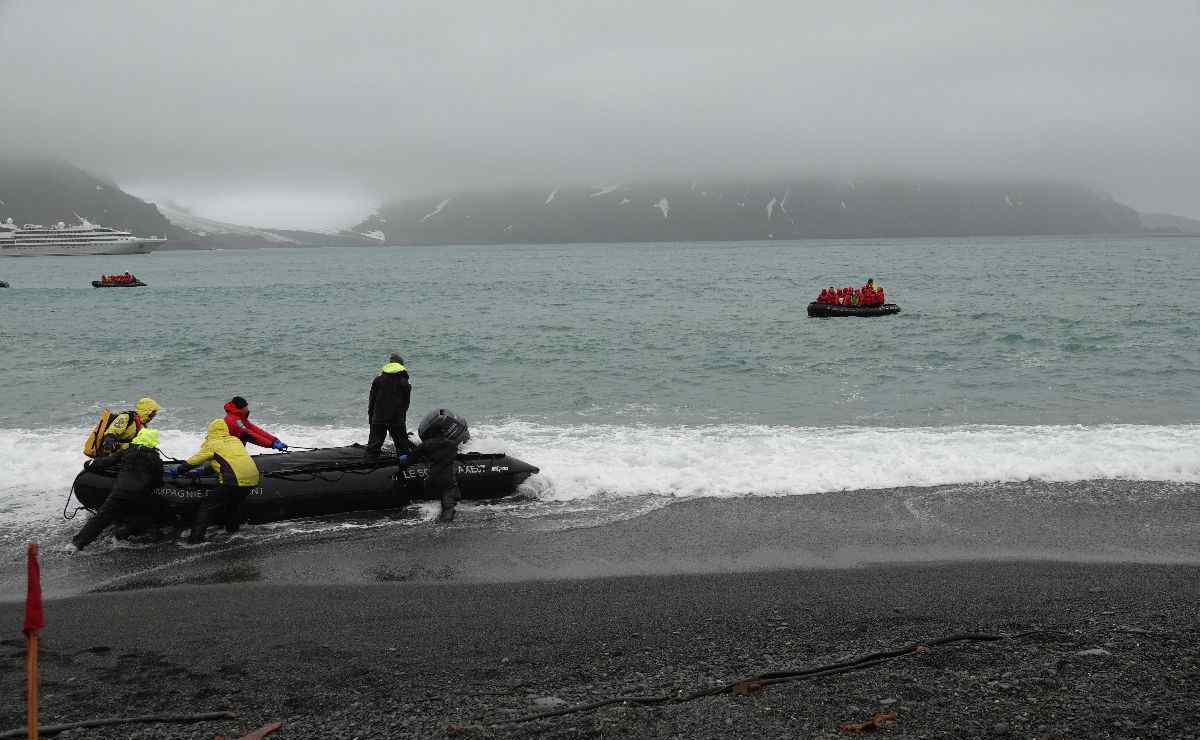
[[218, 429], [393, 367], [145, 407]]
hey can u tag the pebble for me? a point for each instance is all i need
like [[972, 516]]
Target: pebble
[[888, 701], [549, 702], [1094, 652]]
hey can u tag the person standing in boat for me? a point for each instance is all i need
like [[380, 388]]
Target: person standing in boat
[[237, 475], [387, 407], [237, 419], [131, 499], [124, 426]]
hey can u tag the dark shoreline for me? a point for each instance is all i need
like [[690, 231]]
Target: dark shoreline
[[406, 631]]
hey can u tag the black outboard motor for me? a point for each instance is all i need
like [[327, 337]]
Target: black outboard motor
[[444, 424]]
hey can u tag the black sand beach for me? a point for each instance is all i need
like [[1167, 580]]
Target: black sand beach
[[433, 632]]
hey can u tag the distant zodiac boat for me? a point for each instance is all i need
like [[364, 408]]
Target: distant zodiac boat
[[830, 310], [320, 482], [61, 240], [118, 281]]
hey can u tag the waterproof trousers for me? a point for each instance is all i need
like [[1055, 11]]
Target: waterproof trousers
[[449, 500], [379, 432], [120, 506], [227, 502]]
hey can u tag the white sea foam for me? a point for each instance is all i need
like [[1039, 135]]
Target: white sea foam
[[602, 461], [735, 460]]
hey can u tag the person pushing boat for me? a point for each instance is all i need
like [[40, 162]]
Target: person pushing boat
[[236, 473], [119, 430], [130, 500], [237, 420], [442, 433]]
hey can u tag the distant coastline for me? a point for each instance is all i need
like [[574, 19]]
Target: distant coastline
[[812, 208], [48, 191]]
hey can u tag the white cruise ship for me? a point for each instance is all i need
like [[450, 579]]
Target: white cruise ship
[[61, 240]]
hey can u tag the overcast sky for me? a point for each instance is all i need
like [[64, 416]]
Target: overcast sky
[[308, 113]]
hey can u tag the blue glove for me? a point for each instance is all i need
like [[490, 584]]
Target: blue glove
[[278, 445], [402, 459], [172, 471]]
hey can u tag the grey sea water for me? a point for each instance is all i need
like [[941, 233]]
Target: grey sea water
[[993, 331], [631, 374]]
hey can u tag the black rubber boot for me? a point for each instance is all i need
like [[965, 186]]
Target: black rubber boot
[[200, 525]]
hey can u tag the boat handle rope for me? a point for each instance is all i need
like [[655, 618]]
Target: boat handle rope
[[67, 505]]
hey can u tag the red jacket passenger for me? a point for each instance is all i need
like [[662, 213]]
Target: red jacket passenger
[[237, 418]]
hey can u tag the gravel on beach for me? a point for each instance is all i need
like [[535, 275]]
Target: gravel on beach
[[1116, 654]]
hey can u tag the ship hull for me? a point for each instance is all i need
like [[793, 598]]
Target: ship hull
[[139, 246]]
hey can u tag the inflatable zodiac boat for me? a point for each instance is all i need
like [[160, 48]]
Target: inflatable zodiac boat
[[828, 310], [114, 281], [326, 481]]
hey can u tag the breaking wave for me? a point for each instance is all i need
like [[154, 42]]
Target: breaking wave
[[590, 463]]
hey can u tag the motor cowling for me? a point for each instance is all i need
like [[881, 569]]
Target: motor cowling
[[444, 424]]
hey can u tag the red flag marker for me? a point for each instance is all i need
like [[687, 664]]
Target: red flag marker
[[34, 621], [34, 618]]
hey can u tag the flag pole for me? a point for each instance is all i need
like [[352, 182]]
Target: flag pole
[[34, 621], [31, 684]]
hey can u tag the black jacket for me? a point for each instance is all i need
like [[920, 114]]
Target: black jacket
[[443, 467], [140, 470], [390, 393]]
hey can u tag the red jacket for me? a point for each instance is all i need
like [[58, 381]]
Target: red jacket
[[238, 421]]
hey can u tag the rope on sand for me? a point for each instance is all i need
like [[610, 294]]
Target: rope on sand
[[55, 729], [743, 686]]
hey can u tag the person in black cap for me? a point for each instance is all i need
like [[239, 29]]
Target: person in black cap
[[387, 409]]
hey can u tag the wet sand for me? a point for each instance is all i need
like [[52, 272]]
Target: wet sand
[[1094, 521], [421, 631]]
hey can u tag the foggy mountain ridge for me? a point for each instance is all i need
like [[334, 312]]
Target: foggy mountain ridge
[[48, 191], [754, 210], [1168, 223]]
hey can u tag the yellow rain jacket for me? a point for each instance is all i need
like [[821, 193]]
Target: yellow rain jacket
[[122, 428], [226, 455]]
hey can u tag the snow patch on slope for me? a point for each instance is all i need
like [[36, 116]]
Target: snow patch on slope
[[603, 190], [440, 207], [201, 226]]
